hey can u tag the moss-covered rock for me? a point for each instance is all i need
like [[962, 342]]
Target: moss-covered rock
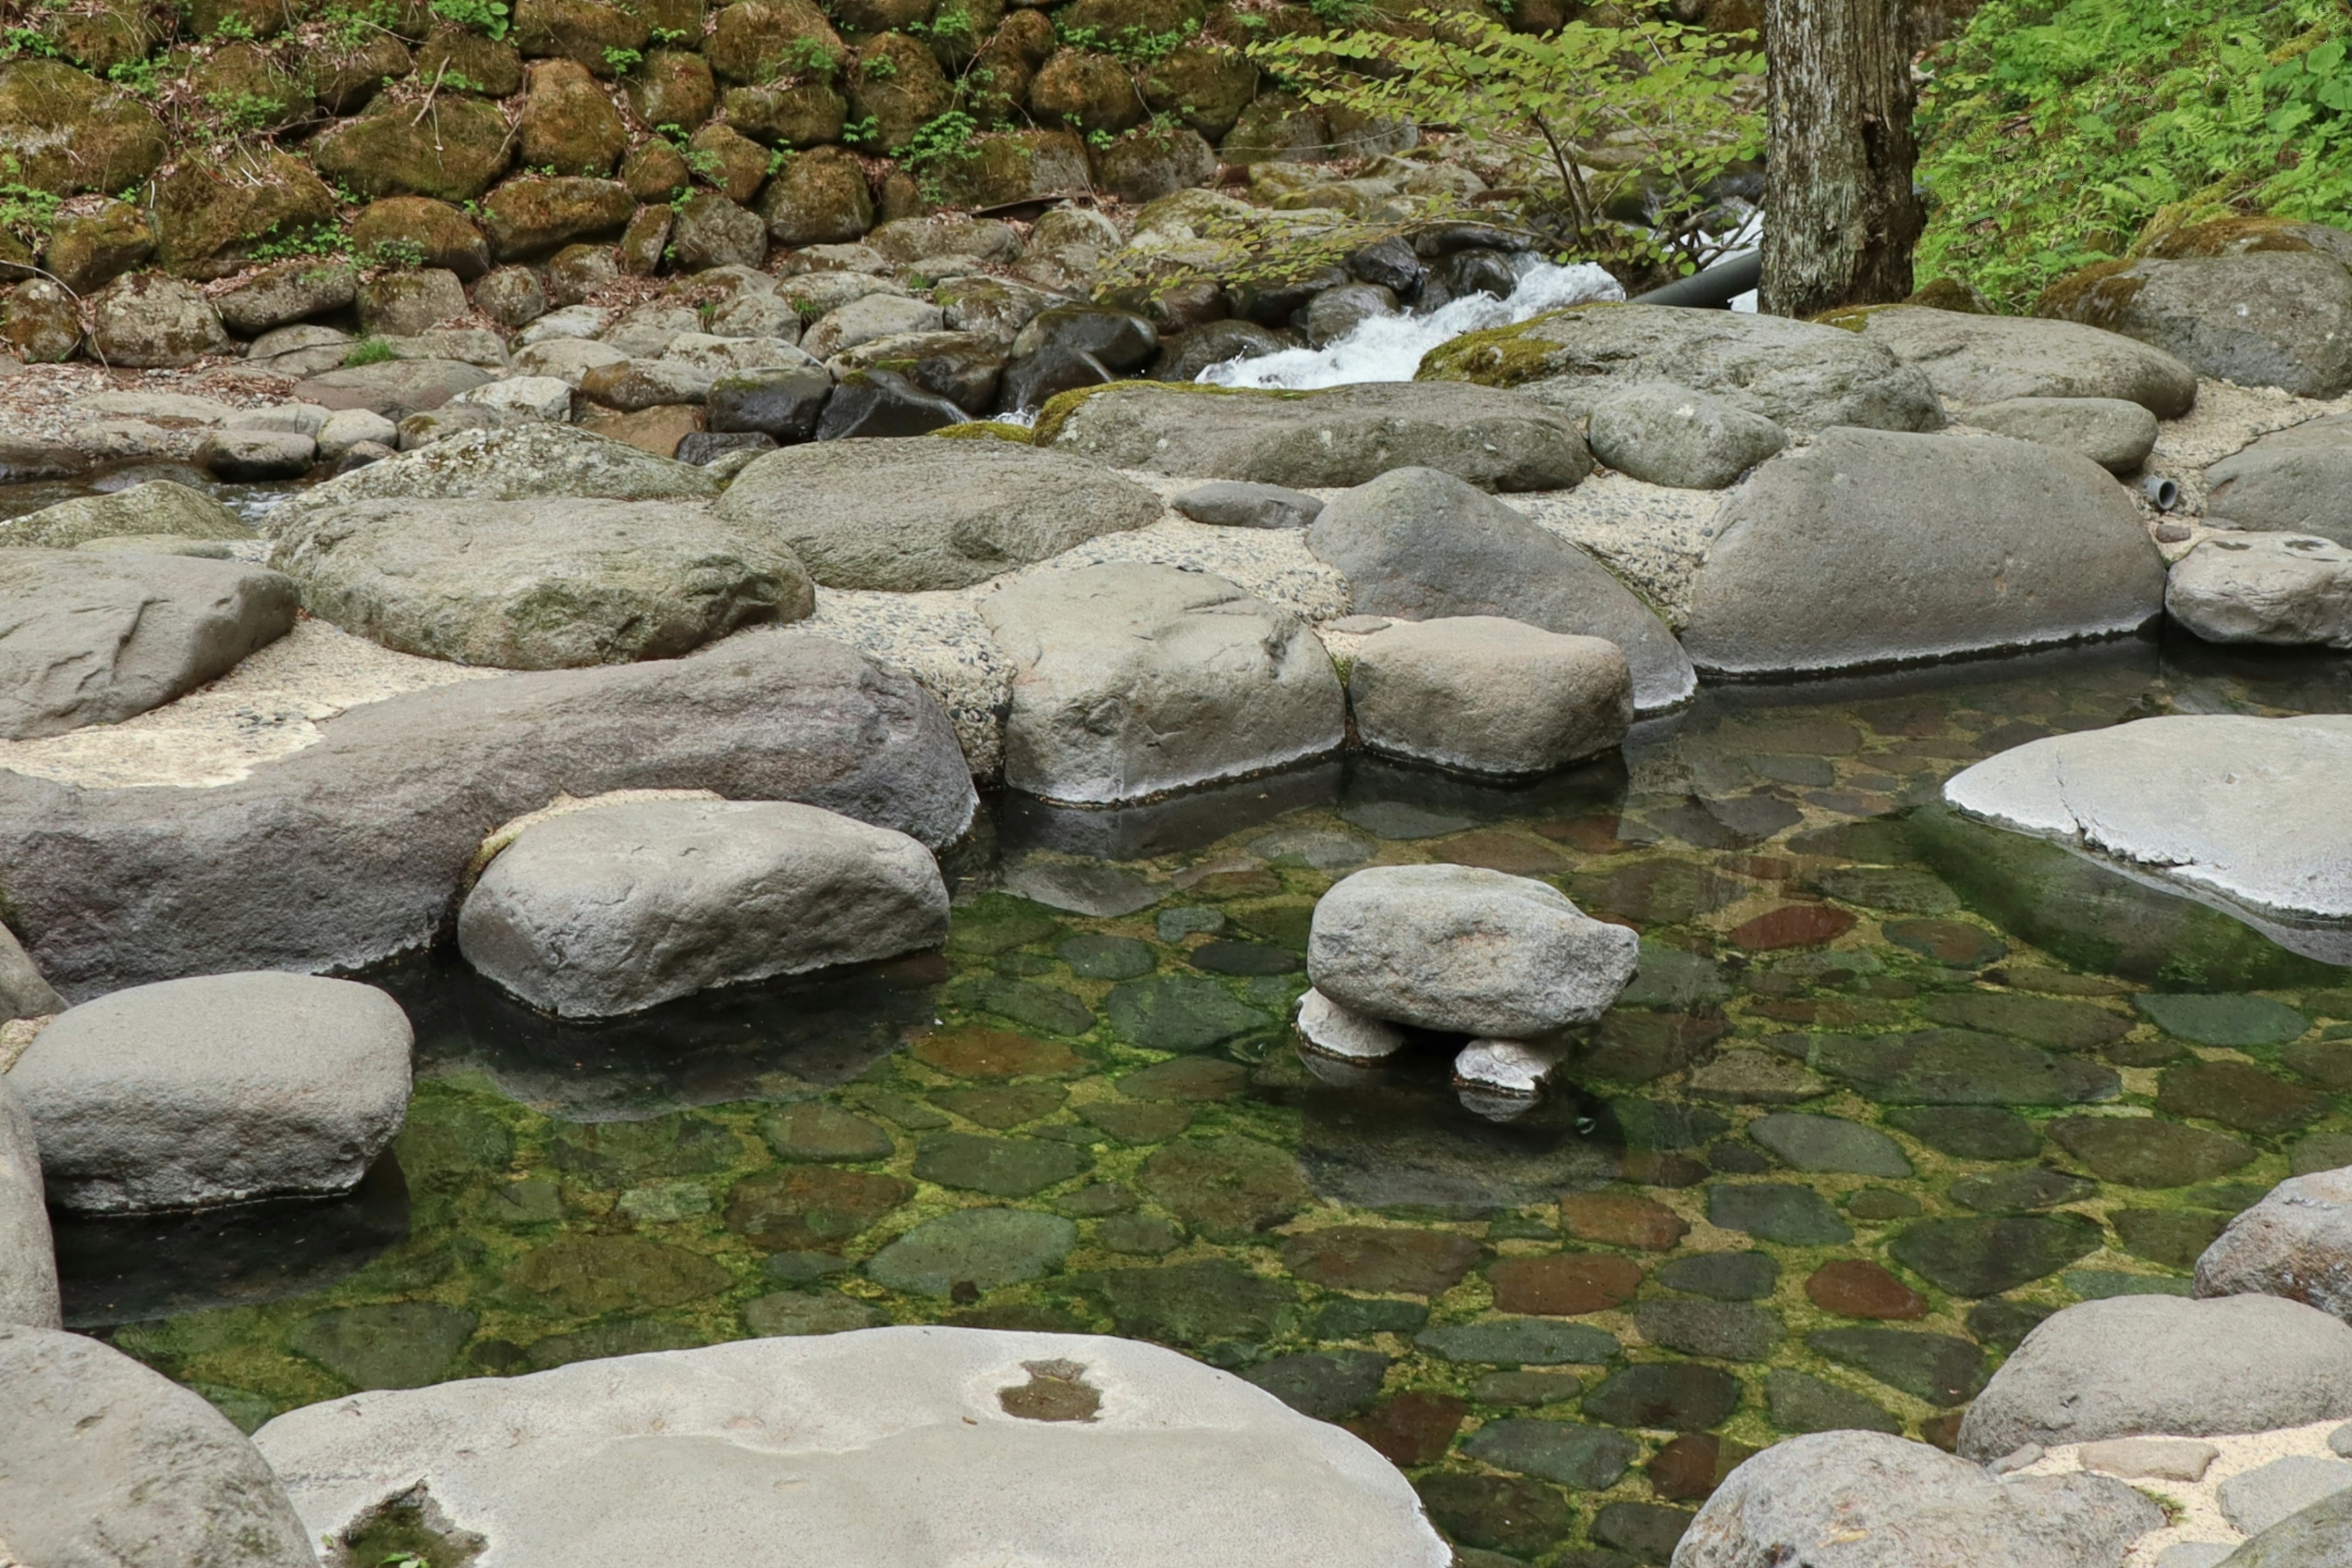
[[985, 430], [39, 321], [112, 33], [808, 115], [897, 84], [345, 78], [1130, 22], [66, 132], [818, 197], [285, 292], [417, 231], [1204, 86], [99, 241], [996, 88], [654, 172], [729, 161], [673, 88], [580, 30], [147, 320], [210, 217], [755, 41], [643, 242], [958, 29], [2097, 294], [1016, 167], [2246, 237], [529, 217], [1086, 90], [1148, 164], [577, 271], [1277, 129], [250, 18], [462, 60], [709, 230], [451, 155], [568, 124], [251, 88], [882, 15]]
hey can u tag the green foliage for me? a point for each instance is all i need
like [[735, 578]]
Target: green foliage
[[1683, 102], [15, 42], [325, 239], [400, 255], [2054, 133], [1338, 13], [665, 37], [233, 27], [367, 350], [483, 15], [139, 77], [623, 61], [857, 131], [939, 147], [24, 211], [809, 57], [244, 110], [1132, 46]]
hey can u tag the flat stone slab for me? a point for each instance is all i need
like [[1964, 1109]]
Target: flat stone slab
[[869, 1449], [2286, 590], [1976, 361], [2192, 803]]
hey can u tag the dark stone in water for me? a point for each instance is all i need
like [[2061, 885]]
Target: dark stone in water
[[1095, 957], [1968, 1131], [1728, 1331], [1986, 1257], [1244, 958], [1662, 1124], [1636, 1048], [1519, 1341], [1504, 1512], [1227, 1188], [1589, 1459], [1794, 1216], [1179, 1013], [1024, 1002], [1190, 1078], [2239, 1095], [1880, 1204], [2049, 1021], [1936, 1368], [1146, 1235], [2212, 1020], [621, 1153], [1001, 1167], [1415, 1427], [2174, 1237], [1801, 1403], [390, 1344], [1353, 1318], [2141, 1152], [1137, 1122], [1368, 1257], [969, 1051], [1679, 1396], [1644, 1529], [1002, 1106], [803, 1207], [1526, 1389], [1407, 1146], [1194, 1305], [2003, 1325], [1724, 1275], [1792, 925], [1955, 943], [817, 1129], [999, 922], [1903, 891], [1959, 1067], [630, 1336], [1655, 892], [2327, 1063], [579, 1274], [1326, 1385], [2013, 1191]]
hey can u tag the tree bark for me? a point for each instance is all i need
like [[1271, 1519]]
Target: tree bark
[[1839, 214]]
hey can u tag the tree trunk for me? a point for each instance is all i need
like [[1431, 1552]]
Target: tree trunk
[[1839, 214]]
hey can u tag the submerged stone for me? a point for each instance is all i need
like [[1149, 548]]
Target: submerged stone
[[803, 1207], [2239, 1095], [1519, 1341], [1677, 1397], [579, 1274], [1728, 1331], [985, 1248], [1960, 1067], [1226, 1188], [972, 1051], [391, 1344], [1564, 1285], [1094, 957], [1001, 1167], [2141, 1152], [1968, 1131], [1326, 1385], [1194, 1304], [1938, 1368], [2027, 1187], [1955, 943], [789, 1313], [1133, 1121], [998, 922], [1724, 1275], [1857, 1288], [1191, 1078], [1794, 1216], [2212, 1020], [618, 1153], [817, 1129], [1002, 1106], [2062, 1025], [1887, 887], [629, 1336], [1025, 1002], [2174, 1237], [2003, 1325], [1369, 1257], [1801, 1403], [1589, 1459], [1353, 1317], [1986, 1257], [1179, 1013], [1830, 1143], [1503, 1513]]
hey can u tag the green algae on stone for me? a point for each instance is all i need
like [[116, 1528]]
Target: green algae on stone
[[817, 1129], [1671, 978], [2021, 1188], [613, 1153], [448, 1141], [1226, 1188], [1959, 1067], [1589, 1459], [2003, 1324], [390, 1344], [1727, 1330], [1324, 1385], [999, 922], [1139, 1121], [2174, 1237], [1092, 956], [1677, 1397], [1948, 942], [1001, 1167], [1519, 1341], [2055, 1022], [1986, 1257], [2326, 1062], [791, 1313], [1771, 1211], [1410, 1262], [1526, 1390], [1201, 1304], [2212, 1020], [1830, 1143], [660, 1202], [583, 1274], [1139, 1235], [1502, 1512], [2239, 1095], [1048, 1008], [1801, 1403], [802, 1207], [1887, 887], [1354, 1317], [534, 1200], [2141, 1152], [1936, 1368], [984, 1247], [630, 1336], [1179, 1013], [1882, 1202], [1968, 1131], [1002, 1106], [1723, 1275]]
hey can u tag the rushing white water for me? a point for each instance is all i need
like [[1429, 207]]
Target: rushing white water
[[1388, 348]]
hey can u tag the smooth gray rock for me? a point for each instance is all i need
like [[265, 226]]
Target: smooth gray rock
[[2288, 590], [2253, 1501], [2295, 1243], [394, 388], [244, 456], [2132, 1364], [912, 515], [1664, 434], [1237, 503], [29, 1259], [528, 461], [1801, 375], [1422, 545], [217, 1090], [1975, 361], [146, 319], [1132, 679], [1180, 1465], [93, 638], [354, 849], [1966, 545], [2113, 433], [1466, 950], [1493, 440], [1871, 1499], [541, 584], [618, 907], [2192, 803], [159, 506], [1808, 1143], [103, 1461], [863, 319], [2320, 1536], [2273, 317], [22, 992], [2297, 480], [1486, 695]]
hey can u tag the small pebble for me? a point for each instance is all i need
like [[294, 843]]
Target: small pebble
[[2171, 533], [2154, 1459]]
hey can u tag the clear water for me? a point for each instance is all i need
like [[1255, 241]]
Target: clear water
[[1563, 1325]]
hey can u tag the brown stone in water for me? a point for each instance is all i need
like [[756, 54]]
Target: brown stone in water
[[1955, 943], [1857, 1288], [1622, 1219], [1057, 1390], [971, 1051], [1412, 1428], [1634, 1047], [1375, 1258], [1657, 1168], [1594, 835], [1565, 1284], [1505, 852], [1689, 1468], [1187, 1078], [803, 1208], [1792, 925]]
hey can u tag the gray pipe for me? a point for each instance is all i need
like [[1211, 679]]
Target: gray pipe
[[1714, 289], [2162, 493]]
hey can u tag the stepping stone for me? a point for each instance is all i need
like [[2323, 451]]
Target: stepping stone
[[1589, 1459], [1938, 1368], [1794, 1216], [1830, 1143], [1986, 1257], [1801, 1403], [2237, 1021], [986, 1249]]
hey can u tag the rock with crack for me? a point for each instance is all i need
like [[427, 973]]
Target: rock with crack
[[1485, 695], [1974, 362], [2287, 589], [2295, 1243]]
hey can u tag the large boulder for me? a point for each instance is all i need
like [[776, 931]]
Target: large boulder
[[103, 1460], [2133, 1364], [1869, 1499], [1974, 361], [29, 1259], [1423, 545], [142, 321], [353, 849], [2193, 802], [1345, 436], [1668, 434], [1464, 949], [394, 388], [1062, 1447], [2295, 1243], [617, 907], [2318, 1536], [1871, 548], [1795, 373], [1486, 695], [912, 515], [541, 584], [2116, 434], [450, 155], [531, 217], [91, 638], [64, 131], [2297, 480], [2287, 589], [156, 507], [215, 1090], [1132, 679], [2271, 318]]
